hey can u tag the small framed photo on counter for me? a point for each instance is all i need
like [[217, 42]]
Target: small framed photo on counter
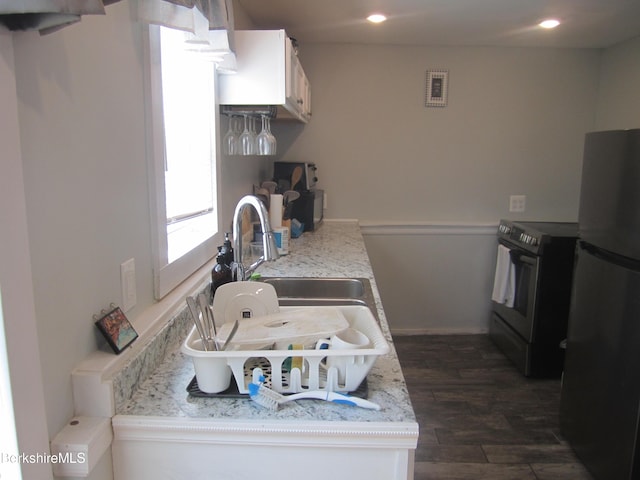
[[116, 328], [437, 88]]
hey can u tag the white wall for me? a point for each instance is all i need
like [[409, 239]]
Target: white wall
[[514, 124], [80, 104]]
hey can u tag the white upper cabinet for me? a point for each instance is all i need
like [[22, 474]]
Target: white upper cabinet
[[268, 73], [298, 87]]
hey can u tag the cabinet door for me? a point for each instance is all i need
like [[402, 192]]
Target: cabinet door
[[290, 72], [303, 92], [297, 85]]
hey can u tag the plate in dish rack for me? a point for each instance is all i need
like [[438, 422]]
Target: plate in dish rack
[[303, 325], [237, 300]]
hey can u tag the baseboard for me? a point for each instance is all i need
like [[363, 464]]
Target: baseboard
[[427, 228], [398, 332]]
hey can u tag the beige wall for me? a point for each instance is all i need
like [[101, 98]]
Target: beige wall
[[427, 182], [618, 105], [18, 330], [80, 111], [80, 104], [514, 125]]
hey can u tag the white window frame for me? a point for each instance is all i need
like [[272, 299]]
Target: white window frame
[[166, 275], [8, 435]]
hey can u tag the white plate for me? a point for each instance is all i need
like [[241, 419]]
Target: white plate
[[305, 325], [239, 300]]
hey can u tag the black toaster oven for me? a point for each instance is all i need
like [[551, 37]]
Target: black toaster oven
[[283, 172]]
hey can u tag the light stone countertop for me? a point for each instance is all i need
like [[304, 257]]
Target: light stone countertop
[[335, 249]]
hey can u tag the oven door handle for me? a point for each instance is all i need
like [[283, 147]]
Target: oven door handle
[[518, 254], [523, 258]]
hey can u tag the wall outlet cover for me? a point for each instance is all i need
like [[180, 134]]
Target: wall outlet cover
[[517, 203]]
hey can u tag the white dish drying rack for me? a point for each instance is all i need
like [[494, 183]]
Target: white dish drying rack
[[248, 365]]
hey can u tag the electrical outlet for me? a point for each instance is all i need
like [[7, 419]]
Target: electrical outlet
[[517, 203], [128, 284]]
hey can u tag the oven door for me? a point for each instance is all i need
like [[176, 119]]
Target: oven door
[[521, 317]]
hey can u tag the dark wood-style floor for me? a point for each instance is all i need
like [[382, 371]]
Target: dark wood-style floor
[[480, 418]]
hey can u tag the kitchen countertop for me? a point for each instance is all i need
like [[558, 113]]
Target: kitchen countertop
[[335, 249]]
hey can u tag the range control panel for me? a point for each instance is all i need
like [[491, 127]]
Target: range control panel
[[533, 236], [519, 234]]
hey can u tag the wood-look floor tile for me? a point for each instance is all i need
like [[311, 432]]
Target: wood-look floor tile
[[479, 417], [482, 436], [433, 414], [451, 454], [533, 420], [500, 374], [454, 421], [472, 471], [555, 453], [559, 471], [431, 375]]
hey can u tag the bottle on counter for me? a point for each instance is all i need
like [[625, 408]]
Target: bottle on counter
[[221, 272], [227, 250]]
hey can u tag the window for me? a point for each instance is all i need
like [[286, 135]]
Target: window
[[189, 127], [182, 157]]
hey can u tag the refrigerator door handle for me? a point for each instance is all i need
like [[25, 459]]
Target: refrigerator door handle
[[607, 256]]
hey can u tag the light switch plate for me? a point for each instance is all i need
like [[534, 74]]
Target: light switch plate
[[128, 284]]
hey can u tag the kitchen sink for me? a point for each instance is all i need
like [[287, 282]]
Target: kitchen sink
[[303, 291], [313, 287]]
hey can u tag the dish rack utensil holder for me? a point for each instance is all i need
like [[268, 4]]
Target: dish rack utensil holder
[[281, 369]]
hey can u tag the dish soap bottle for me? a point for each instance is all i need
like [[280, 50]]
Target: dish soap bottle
[[221, 273], [227, 250]]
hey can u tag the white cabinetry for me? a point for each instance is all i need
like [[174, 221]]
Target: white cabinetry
[[187, 448], [268, 73], [299, 89]]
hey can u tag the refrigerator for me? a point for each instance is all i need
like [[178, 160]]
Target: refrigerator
[[600, 399]]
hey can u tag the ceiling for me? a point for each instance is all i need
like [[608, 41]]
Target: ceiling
[[585, 23]]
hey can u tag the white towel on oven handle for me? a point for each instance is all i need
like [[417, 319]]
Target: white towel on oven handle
[[504, 283]]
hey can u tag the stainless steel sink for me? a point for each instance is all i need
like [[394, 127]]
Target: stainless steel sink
[[313, 287], [301, 291]]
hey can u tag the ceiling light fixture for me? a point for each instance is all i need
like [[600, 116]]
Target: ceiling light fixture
[[376, 18], [551, 23]]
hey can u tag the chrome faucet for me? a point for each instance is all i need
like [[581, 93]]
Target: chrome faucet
[[268, 241]]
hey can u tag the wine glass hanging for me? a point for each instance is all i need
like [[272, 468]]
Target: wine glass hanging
[[242, 138]]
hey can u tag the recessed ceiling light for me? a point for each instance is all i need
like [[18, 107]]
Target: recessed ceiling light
[[376, 18], [551, 23]]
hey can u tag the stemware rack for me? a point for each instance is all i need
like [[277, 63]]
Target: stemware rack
[[249, 110]]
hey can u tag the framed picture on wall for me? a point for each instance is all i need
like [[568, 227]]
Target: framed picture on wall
[[437, 88], [116, 329]]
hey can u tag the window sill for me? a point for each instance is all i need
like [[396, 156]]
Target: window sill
[[93, 378]]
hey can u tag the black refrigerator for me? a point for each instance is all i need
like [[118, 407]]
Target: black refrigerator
[[600, 401]]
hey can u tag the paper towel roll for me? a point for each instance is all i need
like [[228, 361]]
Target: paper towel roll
[[275, 211]]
